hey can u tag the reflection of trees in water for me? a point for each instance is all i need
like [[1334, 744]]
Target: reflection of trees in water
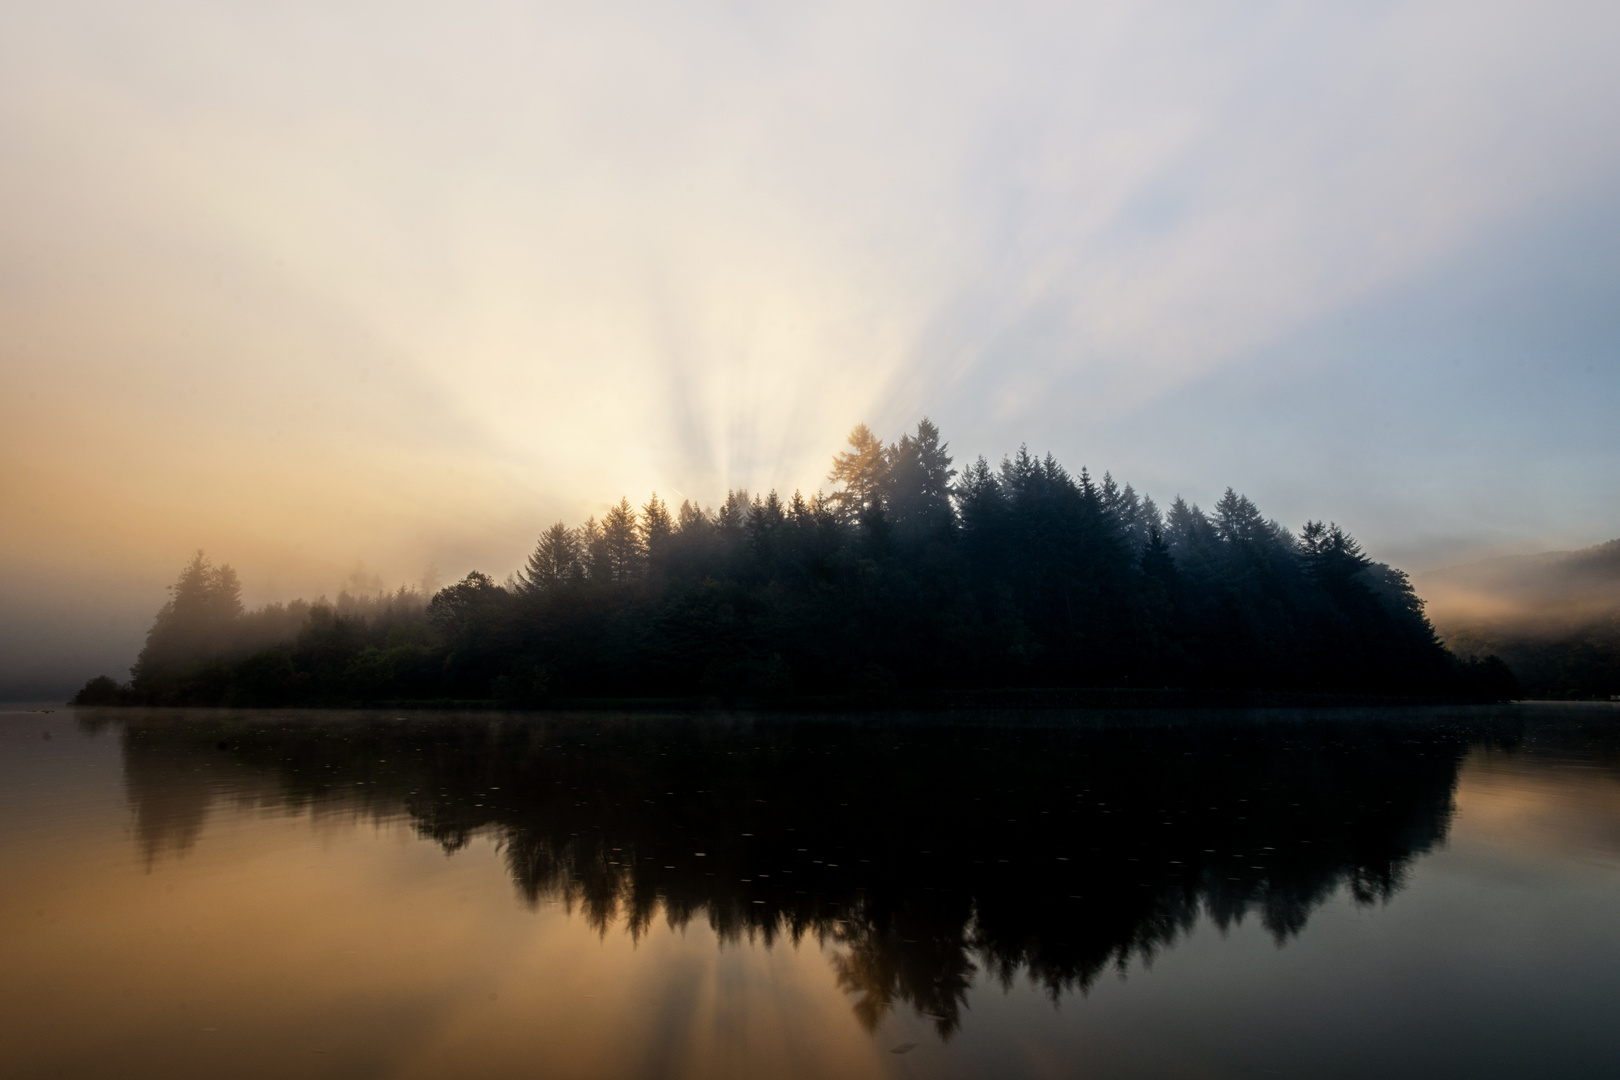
[[919, 853], [170, 800], [925, 960]]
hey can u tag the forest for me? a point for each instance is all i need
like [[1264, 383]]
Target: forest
[[909, 582], [1580, 663]]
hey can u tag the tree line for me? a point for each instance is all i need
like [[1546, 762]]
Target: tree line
[[1577, 663], [910, 577]]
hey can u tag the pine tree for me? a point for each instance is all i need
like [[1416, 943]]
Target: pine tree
[[1238, 521], [197, 623], [554, 562], [916, 485], [622, 543], [1157, 562], [693, 519], [798, 510], [1186, 530], [1331, 556], [733, 513], [593, 552], [861, 471], [656, 529]]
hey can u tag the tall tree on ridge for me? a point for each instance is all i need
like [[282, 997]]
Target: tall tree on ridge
[[692, 519], [555, 561], [733, 513], [196, 624], [656, 529], [916, 484], [860, 469], [593, 552], [1331, 556], [622, 542]]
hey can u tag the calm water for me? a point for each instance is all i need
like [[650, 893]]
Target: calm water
[[238, 893]]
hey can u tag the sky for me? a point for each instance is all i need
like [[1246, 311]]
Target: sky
[[391, 287]]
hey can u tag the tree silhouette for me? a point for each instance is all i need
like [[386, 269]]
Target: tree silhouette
[[554, 562], [908, 580]]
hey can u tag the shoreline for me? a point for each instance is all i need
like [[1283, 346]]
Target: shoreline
[[1029, 699]]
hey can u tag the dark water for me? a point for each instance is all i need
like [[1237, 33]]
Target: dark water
[[236, 893]]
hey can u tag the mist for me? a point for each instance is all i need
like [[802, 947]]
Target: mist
[[1529, 595], [1553, 617]]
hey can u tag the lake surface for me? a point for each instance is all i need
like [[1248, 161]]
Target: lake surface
[[1274, 893]]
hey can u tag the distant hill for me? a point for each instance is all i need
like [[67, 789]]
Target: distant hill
[[1554, 617], [1553, 591]]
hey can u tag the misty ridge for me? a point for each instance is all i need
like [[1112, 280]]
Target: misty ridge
[[909, 579], [1554, 618]]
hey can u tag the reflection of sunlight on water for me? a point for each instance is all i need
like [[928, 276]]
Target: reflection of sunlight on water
[[416, 965], [246, 925], [911, 934], [1557, 806]]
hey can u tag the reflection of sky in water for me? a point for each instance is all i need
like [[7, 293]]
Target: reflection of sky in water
[[236, 920]]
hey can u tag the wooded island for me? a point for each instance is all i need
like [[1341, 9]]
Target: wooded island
[[910, 579]]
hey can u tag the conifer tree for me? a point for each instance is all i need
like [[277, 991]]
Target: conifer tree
[[916, 485], [692, 519], [766, 519], [1238, 521], [622, 543], [657, 528], [733, 513], [1157, 562], [197, 623], [860, 470], [1331, 556], [1186, 530], [594, 556], [554, 562]]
